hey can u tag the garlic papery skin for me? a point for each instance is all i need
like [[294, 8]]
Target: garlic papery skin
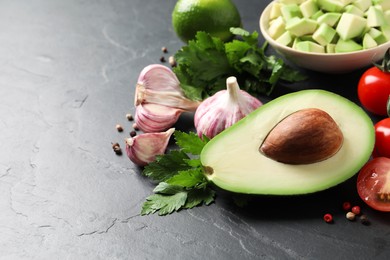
[[223, 109], [142, 149], [152, 118], [158, 85]]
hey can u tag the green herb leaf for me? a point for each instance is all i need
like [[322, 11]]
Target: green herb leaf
[[194, 162], [166, 166], [198, 197], [192, 70], [191, 178], [204, 64], [167, 189], [182, 182], [164, 204], [190, 142]]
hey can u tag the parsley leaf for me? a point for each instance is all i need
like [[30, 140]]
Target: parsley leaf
[[189, 142], [198, 197], [166, 165], [182, 184], [204, 64], [164, 204], [167, 189], [188, 179]]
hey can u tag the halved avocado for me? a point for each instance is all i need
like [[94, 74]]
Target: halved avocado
[[233, 160]]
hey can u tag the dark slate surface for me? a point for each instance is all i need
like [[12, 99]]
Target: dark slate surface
[[67, 76]]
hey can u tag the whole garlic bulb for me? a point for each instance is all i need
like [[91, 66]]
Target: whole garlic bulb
[[223, 109], [159, 99], [142, 149]]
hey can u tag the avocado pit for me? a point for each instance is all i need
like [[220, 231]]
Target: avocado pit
[[306, 136]]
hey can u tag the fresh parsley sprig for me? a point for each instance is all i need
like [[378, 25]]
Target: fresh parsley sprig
[[204, 64], [180, 178]]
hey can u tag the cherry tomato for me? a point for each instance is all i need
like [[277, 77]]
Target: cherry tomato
[[373, 183], [382, 138], [374, 87], [374, 90]]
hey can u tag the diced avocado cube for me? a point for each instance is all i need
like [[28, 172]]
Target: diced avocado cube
[[330, 48], [352, 9], [308, 8], [345, 2], [303, 26], [296, 40], [384, 3], [317, 14], [288, 2], [377, 35], [375, 16], [292, 21], [308, 37], [324, 34], [362, 4], [330, 5], [285, 39], [360, 37], [386, 31], [290, 11], [330, 19], [277, 27], [368, 42], [309, 46], [350, 26], [387, 16], [335, 39], [275, 11], [347, 46]]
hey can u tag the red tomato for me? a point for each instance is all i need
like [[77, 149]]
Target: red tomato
[[374, 90], [373, 183], [382, 138]]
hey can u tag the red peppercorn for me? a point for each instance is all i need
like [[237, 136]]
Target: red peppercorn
[[356, 210], [328, 218], [346, 206]]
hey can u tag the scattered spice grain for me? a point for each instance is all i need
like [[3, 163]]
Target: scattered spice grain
[[328, 218], [356, 210], [119, 128], [350, 216], [129, 117]]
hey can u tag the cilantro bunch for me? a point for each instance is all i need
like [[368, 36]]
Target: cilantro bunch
[[204, 64], [180, 178]]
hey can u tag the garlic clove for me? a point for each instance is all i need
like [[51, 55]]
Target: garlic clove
[[157, 76], [143, 149], [159, 99], [224, 109], [151, 118], [158, 84]]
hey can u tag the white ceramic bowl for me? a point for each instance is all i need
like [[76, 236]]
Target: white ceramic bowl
[[323, 62]]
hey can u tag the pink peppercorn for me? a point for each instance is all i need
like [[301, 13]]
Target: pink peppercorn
[[356, 210], [328, 218], [346, 206]]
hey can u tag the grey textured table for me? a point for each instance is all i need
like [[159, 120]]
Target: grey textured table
[[67, 76]]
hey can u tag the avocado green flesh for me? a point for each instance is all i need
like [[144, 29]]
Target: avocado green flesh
[[238, 166]]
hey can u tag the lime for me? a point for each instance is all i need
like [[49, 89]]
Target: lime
[[212, 16]]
